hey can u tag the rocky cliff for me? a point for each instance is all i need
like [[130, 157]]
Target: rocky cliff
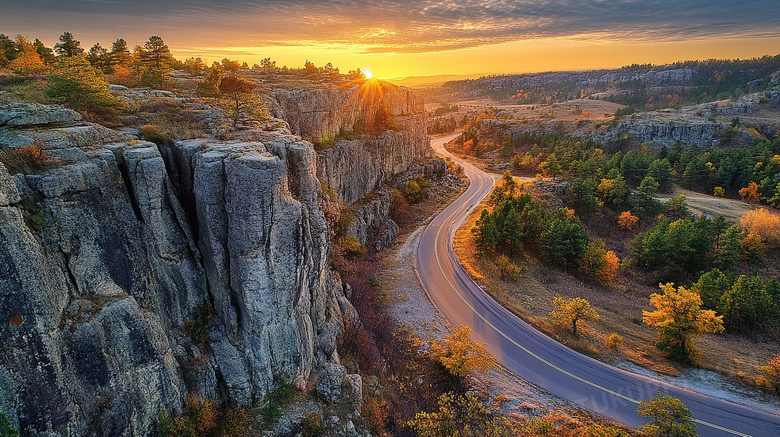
[[111, 247]]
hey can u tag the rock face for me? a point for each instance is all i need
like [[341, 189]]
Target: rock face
[[703, 134], [264, 241], [93, 276], [355, 168], [321, 112]]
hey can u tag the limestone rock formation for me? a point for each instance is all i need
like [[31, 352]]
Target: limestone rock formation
[[106, 255]]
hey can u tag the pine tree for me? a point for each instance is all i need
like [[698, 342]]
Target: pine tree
[[120, 54], [44, 52], [99, 58], [156, 59], [68, 45]]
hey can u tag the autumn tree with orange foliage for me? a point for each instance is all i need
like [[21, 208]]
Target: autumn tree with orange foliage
[[28, 62], [199, 419], [599, 264], [628, 220], [751, 193], [679, 319], [763, 225], [460, 355]]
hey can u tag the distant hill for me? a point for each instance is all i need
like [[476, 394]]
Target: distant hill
[[413, 81], [641, 86]]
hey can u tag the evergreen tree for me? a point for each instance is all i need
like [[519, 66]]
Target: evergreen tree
[[747, 304], [645, 196], [156, 59], [727, 248], [661, 171], [582, 196], [44, 52], [68, 45], [711, 287], [564, 242], [7, 50], [74, 83], [99, 58], [120, 54]]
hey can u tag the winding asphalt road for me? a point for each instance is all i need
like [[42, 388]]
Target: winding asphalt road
[[527, 352]]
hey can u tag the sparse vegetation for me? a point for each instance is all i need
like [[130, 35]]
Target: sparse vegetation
[[27, 159], [312, 425], [272, 407], [202, 418], [5, 427], [198, 326]]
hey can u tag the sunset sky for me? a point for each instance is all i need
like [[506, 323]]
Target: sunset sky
[[418, 37]]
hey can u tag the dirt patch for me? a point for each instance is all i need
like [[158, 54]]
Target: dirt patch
[[712, 206]]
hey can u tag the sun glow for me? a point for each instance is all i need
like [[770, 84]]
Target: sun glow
[[368, 74]]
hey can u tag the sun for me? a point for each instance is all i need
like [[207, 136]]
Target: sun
[[368, 74]]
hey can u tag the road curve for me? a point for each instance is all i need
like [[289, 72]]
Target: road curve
[[591, 384]]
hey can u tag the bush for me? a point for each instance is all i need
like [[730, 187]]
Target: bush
[[281, 396], [599, 264], [615, 340], [312, 425], [345, 221], [5, 427], [398, 206], [326, 142], [628, 220], [770, 375], [351, 245], [199, 419], [151, 133], [508, 268], [413, 191], [764, 224], [460, 355], [460, 415]]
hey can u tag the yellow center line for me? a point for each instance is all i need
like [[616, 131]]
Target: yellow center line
[[548, 363]]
